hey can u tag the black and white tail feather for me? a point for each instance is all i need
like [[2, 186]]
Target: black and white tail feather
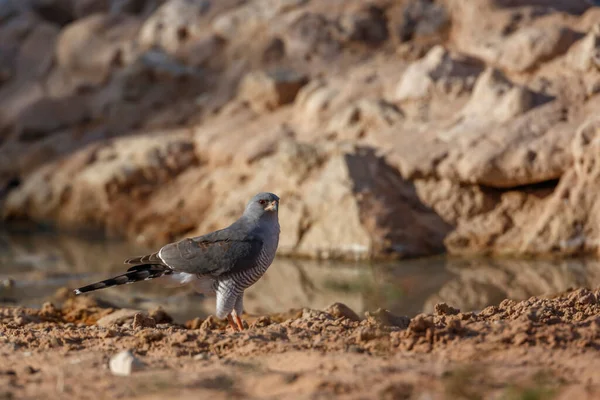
[[137, 273]]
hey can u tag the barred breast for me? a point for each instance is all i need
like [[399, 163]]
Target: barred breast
[[247, 278]]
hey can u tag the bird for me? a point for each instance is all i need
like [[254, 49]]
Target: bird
[[225, 262]]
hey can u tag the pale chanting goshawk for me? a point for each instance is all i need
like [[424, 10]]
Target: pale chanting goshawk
[[225, 262]]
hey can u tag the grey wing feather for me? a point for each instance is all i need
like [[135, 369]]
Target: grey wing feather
[[148, 259], [217, 253]]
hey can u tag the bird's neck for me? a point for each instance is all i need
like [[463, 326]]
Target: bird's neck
[[265, 219]]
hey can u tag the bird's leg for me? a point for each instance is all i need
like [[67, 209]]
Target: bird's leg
[[238, 310], [239, 322], [231, 323]]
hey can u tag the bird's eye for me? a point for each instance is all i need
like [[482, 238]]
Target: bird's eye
[[263, 202]]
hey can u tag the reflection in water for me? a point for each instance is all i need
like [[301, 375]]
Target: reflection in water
[[479, 283], [39, 264]]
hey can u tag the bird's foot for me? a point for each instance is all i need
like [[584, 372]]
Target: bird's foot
[[232, 324], [240, 323]]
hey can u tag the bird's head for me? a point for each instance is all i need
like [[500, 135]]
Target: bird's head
[[263, 204]]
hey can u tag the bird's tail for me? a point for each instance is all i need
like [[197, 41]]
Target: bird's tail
[[134, 274]]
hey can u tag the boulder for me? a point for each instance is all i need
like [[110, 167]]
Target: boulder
[[560, 221], [496, 139]]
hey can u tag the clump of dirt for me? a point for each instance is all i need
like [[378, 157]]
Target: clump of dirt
[[569, 323]]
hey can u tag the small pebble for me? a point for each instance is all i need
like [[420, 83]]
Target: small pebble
[[124, 363]]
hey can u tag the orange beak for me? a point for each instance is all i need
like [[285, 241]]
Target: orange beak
[[272, 206]]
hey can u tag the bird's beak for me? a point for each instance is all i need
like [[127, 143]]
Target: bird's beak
[[272, 206]]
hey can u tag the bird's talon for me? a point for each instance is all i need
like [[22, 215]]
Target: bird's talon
[[232, 324]]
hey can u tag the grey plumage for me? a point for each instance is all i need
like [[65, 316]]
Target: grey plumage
[[225, 262]]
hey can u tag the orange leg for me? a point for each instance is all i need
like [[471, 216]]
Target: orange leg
[[231, 323], [239, 322]]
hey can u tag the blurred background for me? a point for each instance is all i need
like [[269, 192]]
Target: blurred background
[[423, 150]]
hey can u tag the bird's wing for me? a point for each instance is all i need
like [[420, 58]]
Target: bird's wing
[[212, 254], [149, 259]]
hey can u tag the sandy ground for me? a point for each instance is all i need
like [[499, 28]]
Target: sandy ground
[[535, 349]]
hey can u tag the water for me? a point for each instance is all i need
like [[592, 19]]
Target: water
[[34, 265]]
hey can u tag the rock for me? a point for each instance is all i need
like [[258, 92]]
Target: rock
[[267, 91], [48, 310], [528, 47], [362, 118], [314, 103], [8, 9], [160, 316], [273, 51], [558, 220], [36, 54], [497, 98], [249, 19], [124, 364], [420, 324], [172, 24], [84, 8], [142, 321], [569, 231], [48, 115], [118, 318], [313, 36], [486, 143], [201, 356], [339, 310], [203, 52], [136, 7], [445, 309], [368, 24], [113, 169], [261, 322], [211, 323], [366, 334], [438, 70], [386, 318], [91, 47], [195, 323], [164, 65], [585, 54], [7, 283], [315, 315], [149, 335], [421, 20], [384, 156]]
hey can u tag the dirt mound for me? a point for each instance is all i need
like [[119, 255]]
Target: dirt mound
[[307, 353]]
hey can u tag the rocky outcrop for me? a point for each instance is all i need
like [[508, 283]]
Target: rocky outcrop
[[388, 129]]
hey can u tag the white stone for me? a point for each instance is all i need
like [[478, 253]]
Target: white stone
[[124, 363]]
